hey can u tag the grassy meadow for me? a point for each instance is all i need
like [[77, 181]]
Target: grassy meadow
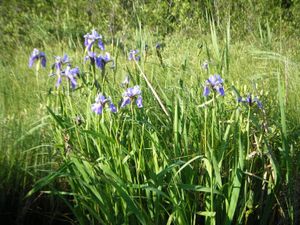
[[189, 154]]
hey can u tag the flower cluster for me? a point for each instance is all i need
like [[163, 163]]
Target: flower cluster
[[100, 61], [215, 83], [36, 55], [69, 72]]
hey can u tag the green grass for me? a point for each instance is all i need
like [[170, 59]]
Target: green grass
[[182, 158]]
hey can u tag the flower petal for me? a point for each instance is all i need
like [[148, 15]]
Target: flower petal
[[125, 102], [206, 91], [112, 108], [97, 108], [139, 101]]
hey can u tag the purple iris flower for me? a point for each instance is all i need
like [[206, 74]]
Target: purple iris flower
[[133, 55], [214, 82], [71, 73], [37, 55], [90, 39], [59, 61], [101, 61], [130, 95], [100, 103], [250, 101]]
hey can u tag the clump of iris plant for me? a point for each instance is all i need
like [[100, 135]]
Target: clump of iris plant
[[133, 55], [100, 103], [215, 83], [132, 94], [36, 55], [91, 38], [250, 100]]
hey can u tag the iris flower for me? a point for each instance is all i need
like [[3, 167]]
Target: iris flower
[[249, 100], [214, 82], [100, 103], [101, 61], [69, 73], [37, 55], [60, 61], [133, 55], [90, 39], [130, 95]]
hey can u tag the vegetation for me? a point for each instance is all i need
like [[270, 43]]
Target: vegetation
[[81, 146]]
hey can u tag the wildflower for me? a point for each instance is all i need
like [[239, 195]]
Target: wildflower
[[59, 61], [214, 82], [251, 101], [133, 55], [130, 95], [101, 61], [37, 55], [89, 40], [205, 65], [69, 73], [100, 102], [126, 81]]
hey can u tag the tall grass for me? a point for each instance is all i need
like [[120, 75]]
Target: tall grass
[[182, 158]]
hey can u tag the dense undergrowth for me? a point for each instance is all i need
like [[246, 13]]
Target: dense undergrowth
[[181, 157]]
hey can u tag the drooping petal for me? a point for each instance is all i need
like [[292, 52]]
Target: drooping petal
[[100, 63], [90, 44], [65, 59], [73, 82], [139, 101], [125, 102], [221, 91], [101, 45], [31, 61], [259, 104], [97, 108], [112, 108], [43, 61], [74, 71], [206, 91], [86, 40]]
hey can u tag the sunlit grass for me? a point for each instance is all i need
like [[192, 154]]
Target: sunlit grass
[[182, 158]]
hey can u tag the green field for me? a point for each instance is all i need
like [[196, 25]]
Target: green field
[[198, 149]]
